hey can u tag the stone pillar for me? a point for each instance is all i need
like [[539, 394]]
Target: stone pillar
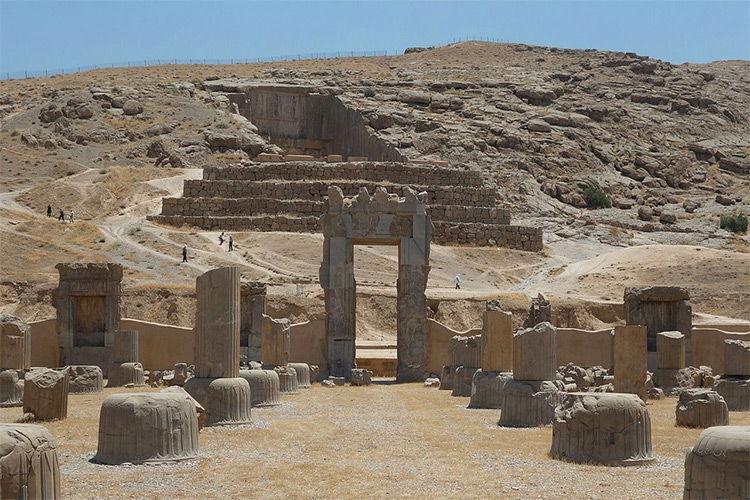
[[535, 353], [670, 359], [126, 347], [737, 358], [275, 341], [497, 332], [217, 323], [45, 394], [337, 280], [15, 344], [252, 309], [734, 384], [717, 466], [125, 369], [630, 360]]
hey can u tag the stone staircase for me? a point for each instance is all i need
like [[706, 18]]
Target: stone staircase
[[291, 196]]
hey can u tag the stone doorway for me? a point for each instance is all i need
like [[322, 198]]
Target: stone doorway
[[382, 219]]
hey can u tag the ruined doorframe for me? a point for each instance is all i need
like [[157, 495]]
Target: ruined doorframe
[[382, 219]]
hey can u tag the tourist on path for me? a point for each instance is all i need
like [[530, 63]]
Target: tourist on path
[[231, 243], [49, 210], [184, 253], [71, 217], [457, 281], [221, 238], [61, 217]]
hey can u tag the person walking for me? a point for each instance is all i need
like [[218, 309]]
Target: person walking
[[49, 210], [184, 253], [61, 217], [71, 217], [457, 281], [221, 238], [231, 243]]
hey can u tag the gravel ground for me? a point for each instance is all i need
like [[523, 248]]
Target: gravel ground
[[384, 440]]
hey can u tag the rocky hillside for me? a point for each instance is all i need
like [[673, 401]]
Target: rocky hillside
[[668, 145]]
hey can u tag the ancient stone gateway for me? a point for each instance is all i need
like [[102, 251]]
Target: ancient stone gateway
[[382, 219]]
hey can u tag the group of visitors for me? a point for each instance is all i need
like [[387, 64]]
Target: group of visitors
[[60, 217], [229, 239]]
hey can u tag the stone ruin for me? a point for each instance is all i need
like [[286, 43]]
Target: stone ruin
[[125, 369], [381, 219], [303, 374], [217, 384], [291, 196], [29, 468], [701, 408], [603, 428], [488, 384], [660, 309], [15, 359], [718, 466], [88, 312], [84, 379], [734, 383], [252, 310], [529, 399], [360, 377], [670, 359], [265, 388], [276, 343], [466, 356], [45, 394], [151, 427], [539, 312], [630, 360]]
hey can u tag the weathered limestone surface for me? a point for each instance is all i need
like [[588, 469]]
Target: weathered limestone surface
[[737, 358], [528, 403], [85, 379], [15, 343], [88, 312], [28, 463], [735, 391], [303, 374], [11, 388], [540, 311], [384, 219], [630, 360], [150, 427], [718, 466], [217, 323], [126, 347], [487, 389], [535, 353], [462, 381], [252, 309], [466, 351], [446, 378], [670, 350], [264, 386], [275, 341], [360, 376], [288, 383], [497, 336], [701, 408], [45, 394], [659, 309], [605, 428], [227, 400], [200, 412], [124, 374]]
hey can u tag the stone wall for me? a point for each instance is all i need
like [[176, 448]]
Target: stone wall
[[438, 338], [585, 347], [308, 343], [708, 347]]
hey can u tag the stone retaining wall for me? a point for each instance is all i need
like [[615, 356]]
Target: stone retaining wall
[[318, 190], [397, 173], [223, 207]]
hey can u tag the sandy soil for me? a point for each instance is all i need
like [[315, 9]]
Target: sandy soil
[[383, 440]]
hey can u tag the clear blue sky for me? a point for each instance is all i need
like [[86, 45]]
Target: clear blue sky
[[36, 35]]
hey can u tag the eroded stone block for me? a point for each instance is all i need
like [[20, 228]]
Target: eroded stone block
[[462, 381], [15, 343], [85, 379], [737, 358], [670, 350], [28, 463], [718, 466], [360, 376], [11, 388], [303, 374], [735, 391], [45, 394], [264, 386], [630, 360], [487, 389], [535, 353], [528, 404], [227, 400], [701, 408]]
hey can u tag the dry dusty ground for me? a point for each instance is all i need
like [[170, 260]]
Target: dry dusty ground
[[384, 440]]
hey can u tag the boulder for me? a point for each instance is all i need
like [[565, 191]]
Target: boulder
[[360, 376], [132, 107]]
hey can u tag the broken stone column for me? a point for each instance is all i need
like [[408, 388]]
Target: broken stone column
[[670, 359], [45, 394], [540, 311], [701, 408], [125, 369], [467, 355], [529, 400], [360, 376], [446, 378], [152, 427], [604, 428], [28, 463], [734, 384], [217, 385], [718, 466], [11, 388], [288, 382], [85, 379], [454, 349], [275, 341], [15, 343], [487, 389], [252, 310], [497, 335], [126, 375], [303, 374], [264, 386], [630, 360], [126, 347]]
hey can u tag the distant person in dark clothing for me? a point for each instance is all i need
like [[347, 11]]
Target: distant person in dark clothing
[[62, 215], [184, 253], [49, 210], [231, 243], [221, 238]]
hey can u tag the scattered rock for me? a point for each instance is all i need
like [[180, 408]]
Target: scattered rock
[[131, 107]]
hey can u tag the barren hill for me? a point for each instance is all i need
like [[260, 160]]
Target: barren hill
[[669, 145]]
